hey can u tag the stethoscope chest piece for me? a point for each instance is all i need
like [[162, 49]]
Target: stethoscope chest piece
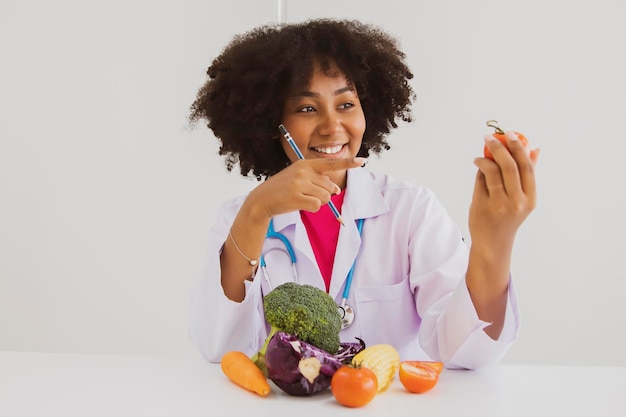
[[347, 316], [345, 311]]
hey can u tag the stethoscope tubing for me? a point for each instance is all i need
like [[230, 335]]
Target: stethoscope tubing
[[346, 288], [273, 234]]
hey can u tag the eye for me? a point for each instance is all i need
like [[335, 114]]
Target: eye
[[306, 109], [347, 105]]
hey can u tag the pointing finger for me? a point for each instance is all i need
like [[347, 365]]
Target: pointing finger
[[329, 164]]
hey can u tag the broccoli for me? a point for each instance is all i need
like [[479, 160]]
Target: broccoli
[[304, 311]]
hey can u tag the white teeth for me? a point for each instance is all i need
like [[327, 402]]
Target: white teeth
[[332, 150]]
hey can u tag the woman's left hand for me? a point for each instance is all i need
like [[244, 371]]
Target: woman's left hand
[[504, 192]]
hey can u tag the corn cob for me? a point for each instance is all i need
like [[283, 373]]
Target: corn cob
[[382, 359]]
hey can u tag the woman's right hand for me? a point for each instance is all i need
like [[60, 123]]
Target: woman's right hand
[[304, 185]]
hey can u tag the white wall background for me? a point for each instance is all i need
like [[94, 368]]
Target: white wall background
[[106, 194]]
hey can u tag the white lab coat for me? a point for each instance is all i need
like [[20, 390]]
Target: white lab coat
[[408, 288]]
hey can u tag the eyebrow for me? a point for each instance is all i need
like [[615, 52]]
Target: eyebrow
[[312, 94]]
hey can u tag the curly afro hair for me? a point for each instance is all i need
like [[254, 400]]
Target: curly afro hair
[[247, 84]]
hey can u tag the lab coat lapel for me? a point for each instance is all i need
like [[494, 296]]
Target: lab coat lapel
[[363, 200]]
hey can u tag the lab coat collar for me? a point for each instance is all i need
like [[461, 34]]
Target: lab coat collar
[[363, 197]]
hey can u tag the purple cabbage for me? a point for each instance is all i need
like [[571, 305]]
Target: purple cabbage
[[299, 368]]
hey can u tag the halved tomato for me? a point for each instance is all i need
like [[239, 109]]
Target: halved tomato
[[435, 366], [419, 376]]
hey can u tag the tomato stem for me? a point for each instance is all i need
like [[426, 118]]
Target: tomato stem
[[494, 124]]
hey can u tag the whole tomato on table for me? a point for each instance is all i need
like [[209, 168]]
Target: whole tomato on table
[[354, 386]]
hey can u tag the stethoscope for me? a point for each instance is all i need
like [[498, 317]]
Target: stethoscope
[[345, 310]]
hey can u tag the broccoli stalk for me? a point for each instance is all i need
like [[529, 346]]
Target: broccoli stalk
[[259, 357], [304, 311]]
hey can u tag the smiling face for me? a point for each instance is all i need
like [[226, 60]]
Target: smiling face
[[325, 119]]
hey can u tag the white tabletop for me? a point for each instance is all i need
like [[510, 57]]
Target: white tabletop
[[42, 384]]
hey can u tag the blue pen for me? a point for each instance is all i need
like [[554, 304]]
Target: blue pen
[[300, 156]]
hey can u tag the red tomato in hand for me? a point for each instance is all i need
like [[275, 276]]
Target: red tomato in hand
[[501, 136], [419, 377], [354, 387]]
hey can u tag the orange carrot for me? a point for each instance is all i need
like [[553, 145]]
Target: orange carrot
[[242, 370]]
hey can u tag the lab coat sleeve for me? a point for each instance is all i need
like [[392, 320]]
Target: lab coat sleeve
[[461, 336], [451, 330], [216, 323]]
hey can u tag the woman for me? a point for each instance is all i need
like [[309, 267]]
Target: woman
[[339, 87]]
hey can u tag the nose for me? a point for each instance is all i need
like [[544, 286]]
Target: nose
[[330, 124]]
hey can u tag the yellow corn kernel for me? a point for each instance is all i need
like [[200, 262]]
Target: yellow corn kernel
[[382, 359]]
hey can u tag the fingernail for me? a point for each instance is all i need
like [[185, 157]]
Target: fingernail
[[489, 138], [361, 160], [337, 190], [511, 135]]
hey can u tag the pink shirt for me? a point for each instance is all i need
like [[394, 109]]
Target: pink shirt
[[323, 230]]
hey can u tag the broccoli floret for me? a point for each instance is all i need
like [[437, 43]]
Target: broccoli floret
[[304, 311]]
